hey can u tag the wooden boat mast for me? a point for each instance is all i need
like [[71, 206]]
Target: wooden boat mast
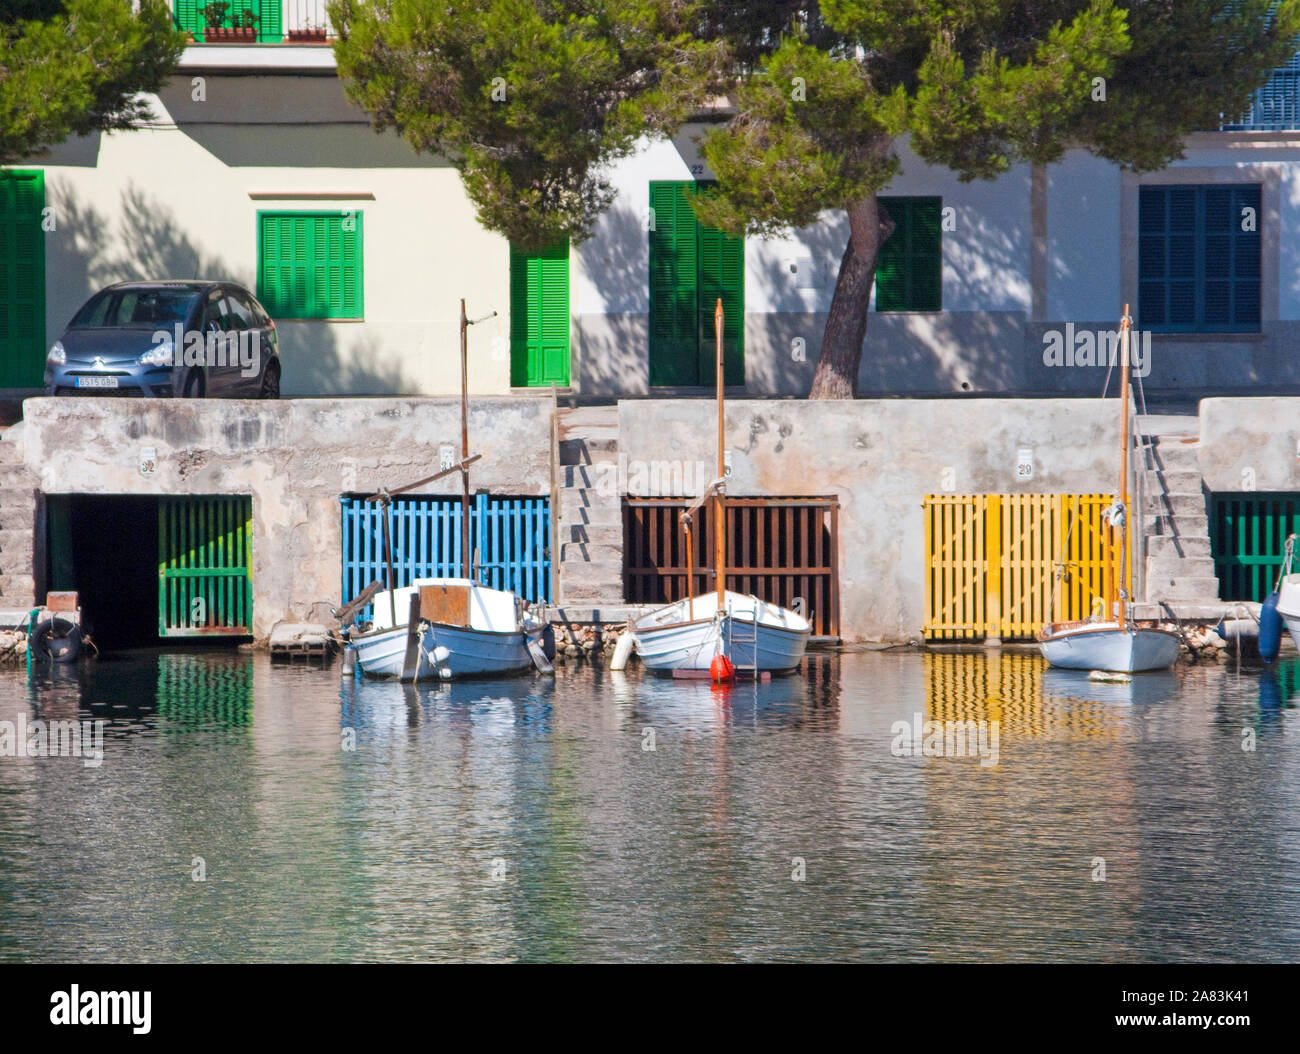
[[720, 524], [464, 442], [1121, 494]]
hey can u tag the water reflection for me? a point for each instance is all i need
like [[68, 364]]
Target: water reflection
[[608, 816]]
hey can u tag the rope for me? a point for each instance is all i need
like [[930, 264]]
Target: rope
[[1287, 556]]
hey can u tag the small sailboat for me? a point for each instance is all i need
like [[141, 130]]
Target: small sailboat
[[461, 629], [1113, 642], [723, 632], [444, 628]]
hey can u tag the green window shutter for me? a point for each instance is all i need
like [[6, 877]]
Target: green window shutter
[[722, 274], [539, 316], [22, 278], [310, 264], [674, 301], [1198, 269], [909, 269], [188, 14], [691, 266]]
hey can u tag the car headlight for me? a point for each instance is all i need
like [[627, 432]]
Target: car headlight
[[159, 356], [57, 356]]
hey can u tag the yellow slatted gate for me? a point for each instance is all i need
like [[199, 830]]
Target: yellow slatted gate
[[989, 562]]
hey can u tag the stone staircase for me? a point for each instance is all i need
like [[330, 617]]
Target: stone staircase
[[18, 489], [1175, 527], [591, 509]]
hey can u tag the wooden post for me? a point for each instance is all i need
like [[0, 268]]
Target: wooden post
[[466, 569], [388, 560], [690, 570], [720, 530], [1121, 494], [993, 570]]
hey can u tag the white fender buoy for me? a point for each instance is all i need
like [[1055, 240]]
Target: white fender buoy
[[622, 651]]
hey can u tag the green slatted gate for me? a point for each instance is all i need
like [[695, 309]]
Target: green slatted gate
[[22, 279], [204, 555], [1248, 533], [539, 317]]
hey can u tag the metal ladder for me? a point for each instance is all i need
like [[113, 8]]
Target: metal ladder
[[749, 637]]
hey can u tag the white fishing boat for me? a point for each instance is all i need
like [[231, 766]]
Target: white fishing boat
[[444, 628], [462, 629], [750, 635], [1113, 642], [1288, 605], [754, 635], [1108, 645]]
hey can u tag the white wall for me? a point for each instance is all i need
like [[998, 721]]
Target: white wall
[[173, 201]]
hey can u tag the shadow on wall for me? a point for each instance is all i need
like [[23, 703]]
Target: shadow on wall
[[611, 343], [145, 240], [782, 346]]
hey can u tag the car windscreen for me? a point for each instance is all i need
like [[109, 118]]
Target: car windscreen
[[135, 307]]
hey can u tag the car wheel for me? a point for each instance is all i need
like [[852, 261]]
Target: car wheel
[[270, 382], [194, 385]]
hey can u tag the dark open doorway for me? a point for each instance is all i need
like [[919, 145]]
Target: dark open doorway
[[106, 548]]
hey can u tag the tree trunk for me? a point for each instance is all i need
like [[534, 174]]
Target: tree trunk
[[846, 325]]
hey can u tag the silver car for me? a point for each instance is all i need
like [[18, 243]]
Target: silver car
[[165, 339]]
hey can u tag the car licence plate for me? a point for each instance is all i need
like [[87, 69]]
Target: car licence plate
[[96, 382]]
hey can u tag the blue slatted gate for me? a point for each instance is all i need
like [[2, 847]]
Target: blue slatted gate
[[510, 537]]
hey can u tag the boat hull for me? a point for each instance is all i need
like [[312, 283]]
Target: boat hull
[[693, 645], [455, 651], [446, 652], [1128, 650], [382, 652], [1288, 606]]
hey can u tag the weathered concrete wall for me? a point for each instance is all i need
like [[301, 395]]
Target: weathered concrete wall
[[1250, 444], [879, 458], [295, 457]]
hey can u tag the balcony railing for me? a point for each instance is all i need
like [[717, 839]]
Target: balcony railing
[[271, 22], [1276, 106]]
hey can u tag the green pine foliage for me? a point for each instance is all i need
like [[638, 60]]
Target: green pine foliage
[[531, 99], [73, 66], [527, 98]]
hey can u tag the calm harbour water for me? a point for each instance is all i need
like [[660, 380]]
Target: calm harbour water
[[527, 820]]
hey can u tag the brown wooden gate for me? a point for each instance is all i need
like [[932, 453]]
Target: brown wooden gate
[[783, 550]]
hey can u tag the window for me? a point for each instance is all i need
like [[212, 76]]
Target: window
[[691, 267], [241, 314], [309, 264], [1199, 258], [909, 271]]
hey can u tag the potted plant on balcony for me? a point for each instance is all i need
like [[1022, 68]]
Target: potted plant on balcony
[[242, 27], [310, 33]]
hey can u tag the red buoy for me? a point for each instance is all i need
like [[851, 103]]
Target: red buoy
[[720, 669]]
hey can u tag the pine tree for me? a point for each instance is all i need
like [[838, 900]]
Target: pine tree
[[74, 66]]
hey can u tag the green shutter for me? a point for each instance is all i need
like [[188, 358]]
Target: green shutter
[[1198, 268], [22, 279], [188, 15], [722, 274], [909, 269], [690, 267], [310, 264], [539, 317]]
